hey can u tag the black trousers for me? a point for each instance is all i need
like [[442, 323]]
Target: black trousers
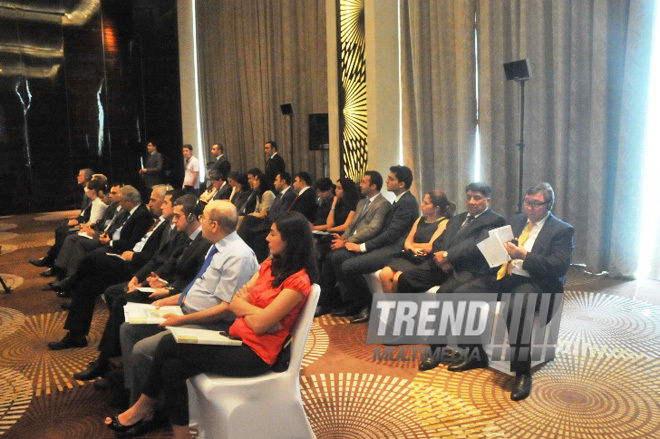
[[97, 272], [520, 288], [174, 363], [116, 297]]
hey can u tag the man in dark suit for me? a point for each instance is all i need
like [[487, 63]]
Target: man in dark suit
[[99, 270], [373, 254], [275, 163], [370, 215], [153, 166], [305, 199], [253, 230], [220, 164], [84, 177], [457, 259], [539, 261], [179, 269], [219, 182]]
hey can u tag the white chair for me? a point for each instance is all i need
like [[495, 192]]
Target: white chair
[[268, 405]]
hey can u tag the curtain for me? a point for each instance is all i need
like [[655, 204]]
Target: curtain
[[253, 56], [438, 93], [584, 115], [585, 107]]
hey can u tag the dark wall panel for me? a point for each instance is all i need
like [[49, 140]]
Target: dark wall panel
[[87, 94]]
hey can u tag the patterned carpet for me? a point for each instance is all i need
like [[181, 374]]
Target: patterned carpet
[[603, 383]]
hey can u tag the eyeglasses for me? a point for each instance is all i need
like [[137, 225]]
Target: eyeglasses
[[534, 204]]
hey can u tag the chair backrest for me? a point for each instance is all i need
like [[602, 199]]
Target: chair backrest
[[301, 328]]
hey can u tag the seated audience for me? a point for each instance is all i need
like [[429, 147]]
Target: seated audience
[[342, 210], [325, 193], [436, 211], [305, 201], [241, 195], [267, 307], [263, 192]]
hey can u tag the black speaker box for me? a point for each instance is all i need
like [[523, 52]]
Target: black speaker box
[[518, 70]]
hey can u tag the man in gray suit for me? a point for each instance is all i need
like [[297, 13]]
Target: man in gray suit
[[370, 215], [153, 167]]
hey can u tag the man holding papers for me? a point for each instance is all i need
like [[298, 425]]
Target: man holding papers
[[540, 257], [229, 264]]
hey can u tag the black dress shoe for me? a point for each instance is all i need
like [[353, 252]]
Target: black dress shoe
[[94, 370], [469, 363], [428, 364], [137, 429], [522, 386], [362, 316], [65, 305], [344, 312], [41, 262], [69, 341], [49, 273], [63, 285], [321, 311]]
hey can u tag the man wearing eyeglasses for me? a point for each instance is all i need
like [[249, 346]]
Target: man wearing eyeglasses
[[540, 257]]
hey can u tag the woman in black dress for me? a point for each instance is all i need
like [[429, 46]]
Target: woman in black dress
[[436, 211]]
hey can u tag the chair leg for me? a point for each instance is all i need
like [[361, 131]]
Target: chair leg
[[4, 285]]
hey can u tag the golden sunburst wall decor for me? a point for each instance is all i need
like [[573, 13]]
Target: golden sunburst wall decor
[[352, 89]]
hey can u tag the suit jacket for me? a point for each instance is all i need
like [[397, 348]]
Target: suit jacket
[[281, 203], [275, 165], [182, 269], [172, 244], [461, 245], [222, 165], [223, 193], [368, 224], [148, 251], [154, 166], [550, 257], [398, 222], [305, 204], [133, 229]]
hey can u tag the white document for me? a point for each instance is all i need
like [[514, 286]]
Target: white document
[[202, 336], [85, 235], [146, 289], [116, 256], [147, 314], [320, 232], [493, 247]]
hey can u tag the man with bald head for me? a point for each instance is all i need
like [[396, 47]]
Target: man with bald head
[[229, 265]]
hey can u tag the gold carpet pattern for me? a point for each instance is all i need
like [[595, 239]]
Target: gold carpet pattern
[[603, 383]]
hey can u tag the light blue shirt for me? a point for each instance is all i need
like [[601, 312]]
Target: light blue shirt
[[231, 268]]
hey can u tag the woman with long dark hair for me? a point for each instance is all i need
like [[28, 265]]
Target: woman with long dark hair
[[267, 307], [343, 206], [263, 192]]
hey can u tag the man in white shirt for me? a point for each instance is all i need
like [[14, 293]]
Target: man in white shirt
[[191, 170]]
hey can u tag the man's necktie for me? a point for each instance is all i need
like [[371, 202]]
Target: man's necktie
[[467, 222], [293, 203], [200, 273], [508, 266], [362, 213]]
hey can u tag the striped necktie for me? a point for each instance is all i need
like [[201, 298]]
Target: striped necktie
[[200, 273]]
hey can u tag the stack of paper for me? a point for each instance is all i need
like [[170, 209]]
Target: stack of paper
[[202, 336], [493, 247], [146, 314]]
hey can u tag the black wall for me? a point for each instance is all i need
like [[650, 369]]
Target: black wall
[[116, 87]]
